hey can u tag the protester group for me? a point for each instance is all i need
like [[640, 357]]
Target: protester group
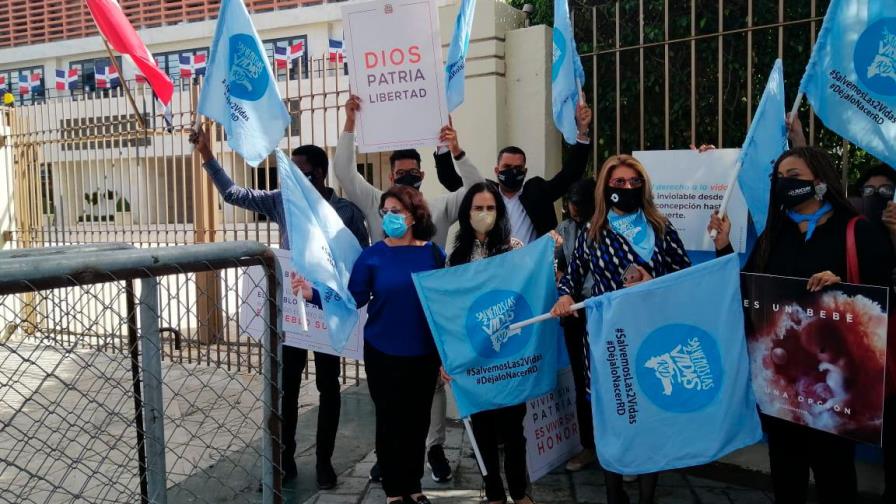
[[376, 248]]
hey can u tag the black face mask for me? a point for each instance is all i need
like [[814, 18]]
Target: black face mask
[[791, 192], [512, 178], [410, 180], [625, 200], [873, 206]]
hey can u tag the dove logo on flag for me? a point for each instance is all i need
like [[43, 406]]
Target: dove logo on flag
[[489, 318], [248, 75], [875, 57], [679, 368]]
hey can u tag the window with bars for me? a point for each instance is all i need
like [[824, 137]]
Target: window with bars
[[87, 75], [11, 84], [296, 67]]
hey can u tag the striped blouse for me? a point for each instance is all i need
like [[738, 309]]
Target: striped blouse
[[606, 260]]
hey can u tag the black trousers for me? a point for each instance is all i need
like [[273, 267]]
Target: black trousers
[[890, 449], [505, 424], [576, 339], [793, 450], [326, 377], [402, 390]]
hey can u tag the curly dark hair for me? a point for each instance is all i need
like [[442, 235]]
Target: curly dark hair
[[496, 241], [412, 200], [822, 167]]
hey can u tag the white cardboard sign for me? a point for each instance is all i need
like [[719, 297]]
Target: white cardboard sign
[[253, 298], [688, 186], [394, 55]]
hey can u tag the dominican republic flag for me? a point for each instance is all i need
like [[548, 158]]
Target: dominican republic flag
[[336, 53], [2, 82], [107, 77], [192, 65], [66, 80], [297, 50], [29, 83], [281, 57]]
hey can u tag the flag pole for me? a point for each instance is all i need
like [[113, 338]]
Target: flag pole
[[540, 318], [121, 78], [475, 446], [796, 105], [730, 189]]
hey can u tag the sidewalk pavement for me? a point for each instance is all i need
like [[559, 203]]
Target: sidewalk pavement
[[719, 483]]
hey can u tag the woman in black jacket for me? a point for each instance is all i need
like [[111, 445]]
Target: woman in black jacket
[[805, 237]]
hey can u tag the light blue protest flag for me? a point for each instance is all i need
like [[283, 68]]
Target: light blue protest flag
[[456, 62], [240, 91], [765, 142], [470, 308], [851, 76], [567, 74], [323, 249], [670, 376]]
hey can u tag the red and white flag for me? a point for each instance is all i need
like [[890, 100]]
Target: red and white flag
[[297, 50], [336, 53], [120, 34]]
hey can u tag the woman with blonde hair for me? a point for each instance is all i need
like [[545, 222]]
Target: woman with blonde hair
[[628, 241]]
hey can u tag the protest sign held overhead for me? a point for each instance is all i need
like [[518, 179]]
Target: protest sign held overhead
[[670, 378], [818, 358], [240, 91], [394, 55], [470, 309]]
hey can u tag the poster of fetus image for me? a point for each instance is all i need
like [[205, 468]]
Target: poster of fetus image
[[818, 358], [394, 55]]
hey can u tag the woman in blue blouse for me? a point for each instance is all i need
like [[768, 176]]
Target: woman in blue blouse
[[626, 230], [399, 353]]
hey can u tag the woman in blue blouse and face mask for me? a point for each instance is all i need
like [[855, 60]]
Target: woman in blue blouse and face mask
[[400, 356], [627, 242]]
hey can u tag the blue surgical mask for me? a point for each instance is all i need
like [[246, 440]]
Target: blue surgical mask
[[394, 225]]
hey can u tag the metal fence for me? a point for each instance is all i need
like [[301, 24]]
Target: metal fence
[[81, 170], [95, 408], [664, 74]]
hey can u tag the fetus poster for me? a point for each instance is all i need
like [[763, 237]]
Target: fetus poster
[[818, 358]]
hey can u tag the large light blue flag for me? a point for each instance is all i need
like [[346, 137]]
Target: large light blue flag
[[240, 91], [851, 77], [470, 308], [670, 376], [322, 248], [567, 74], [765, 142], [456, 62]]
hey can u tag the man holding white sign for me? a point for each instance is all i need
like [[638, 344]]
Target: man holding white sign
[[397, 72]]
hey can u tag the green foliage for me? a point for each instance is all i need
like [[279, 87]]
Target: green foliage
[[713, 107]]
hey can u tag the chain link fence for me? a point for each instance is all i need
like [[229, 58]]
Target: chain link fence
[[105, 394]]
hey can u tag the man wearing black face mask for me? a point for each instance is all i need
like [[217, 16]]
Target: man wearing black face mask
[[530, 203], [405, 170], [876, 187]]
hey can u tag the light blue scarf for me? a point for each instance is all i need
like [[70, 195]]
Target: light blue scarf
[[811, 218], [636, 230]]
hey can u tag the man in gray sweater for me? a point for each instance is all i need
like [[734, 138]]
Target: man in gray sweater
[[405, 170]]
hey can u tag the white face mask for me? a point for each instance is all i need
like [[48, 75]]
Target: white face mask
[[484, 221]]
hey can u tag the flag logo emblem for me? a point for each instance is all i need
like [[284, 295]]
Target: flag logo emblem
[[489, 319], [248, 74], [559, 54], [875, 57], [680, 368]]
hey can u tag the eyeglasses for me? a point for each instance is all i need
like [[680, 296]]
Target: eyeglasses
[[885, 190], [396, 211], [620, 182], [412, 171]]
